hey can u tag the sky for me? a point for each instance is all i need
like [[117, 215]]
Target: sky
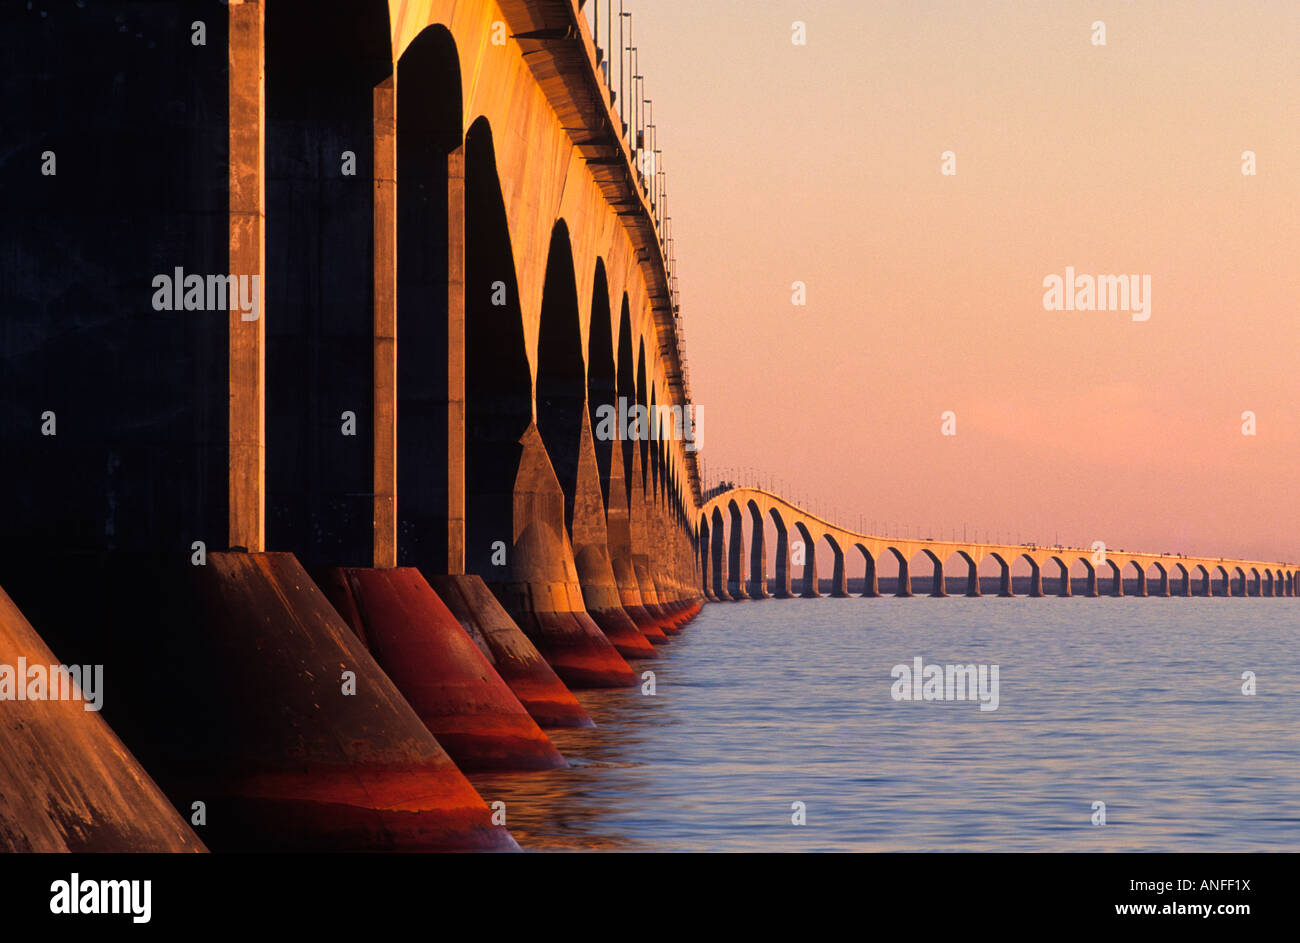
[[821, 164]]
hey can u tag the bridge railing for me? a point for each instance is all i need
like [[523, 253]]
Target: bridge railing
[[611, 30]]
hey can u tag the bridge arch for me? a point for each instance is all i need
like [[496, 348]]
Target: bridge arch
[[972, 573], [321, 75], [1092, 583], [561, 370], [705, 553], [563, 411], [807, 544], [1157, 579], [736, 569], [718, 548], [1006, 588], [654, 450], [937, 580], [839, 569], [903, 585], [870, 581], [1035, 574], [602, 378], [618, 496], [1206, 587], [1116, 584], [432, 152], [757, 587], [626, 381], [1063, 588], [1139, 576], [498, 376], [642, 451], [782, 568]]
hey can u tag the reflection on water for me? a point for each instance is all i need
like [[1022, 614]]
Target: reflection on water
[[1133, 702]]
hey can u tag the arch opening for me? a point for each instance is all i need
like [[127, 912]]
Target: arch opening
[[321, 74], [498, 378]]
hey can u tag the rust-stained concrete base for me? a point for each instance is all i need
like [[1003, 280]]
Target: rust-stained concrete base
[[542, 592], [647, 624], [66, 781], [664, 619], [573, 644], [623, 632], [238, 685], [514, 657], [440, 671]]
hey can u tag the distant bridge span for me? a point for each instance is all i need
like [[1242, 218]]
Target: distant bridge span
[[733, 568]]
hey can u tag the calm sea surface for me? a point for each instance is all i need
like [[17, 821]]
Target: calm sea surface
[[1136, 703]]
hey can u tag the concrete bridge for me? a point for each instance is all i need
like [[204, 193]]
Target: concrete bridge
[[311, 314], [736, 567], [360, 532]]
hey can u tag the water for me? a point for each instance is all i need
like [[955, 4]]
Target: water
[[1133, 702]]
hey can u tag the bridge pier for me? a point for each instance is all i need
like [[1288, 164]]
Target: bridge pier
[[718, 553], [540, 590], [972, 578], [839, 577], [513, 657], [283, 753], [736, 554], [591, 557], [618, 527], [1142, 583], [810, 587], [757, 586], [870, 584], [784, 588], [1064, 590], [1006, 589], [1035, 580], [938, 590], [1116, 579], [904, 588], [642, 529], [68, 782], [440, 671]]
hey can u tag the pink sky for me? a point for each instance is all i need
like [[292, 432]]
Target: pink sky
[[821, 164]]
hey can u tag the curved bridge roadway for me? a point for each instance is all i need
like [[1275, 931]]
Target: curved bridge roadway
[[727, 574]]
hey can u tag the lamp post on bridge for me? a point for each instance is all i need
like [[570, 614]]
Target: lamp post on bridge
[[622, 66]]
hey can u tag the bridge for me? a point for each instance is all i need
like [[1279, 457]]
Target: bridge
[[314, 317], [736, 567]]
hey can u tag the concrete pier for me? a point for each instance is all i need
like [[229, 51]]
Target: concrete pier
[[67, 783], [443, 675]]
